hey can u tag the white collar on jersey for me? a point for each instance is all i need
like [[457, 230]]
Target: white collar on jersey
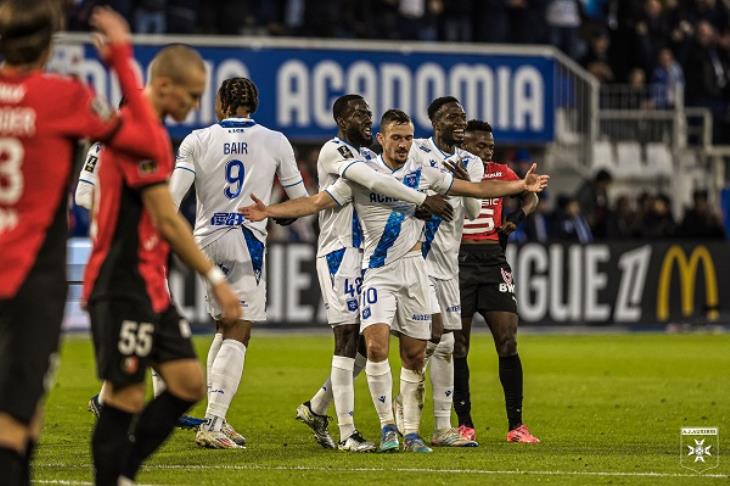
[[233, 122], [380, 160], [338, 139], [435, 147]]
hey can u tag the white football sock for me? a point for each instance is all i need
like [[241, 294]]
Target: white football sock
[[321, 400], [343, 392], [215, 346], [380, 382], [411, 386], [158, 384], [442, 382], [225, 375], [430, 349]]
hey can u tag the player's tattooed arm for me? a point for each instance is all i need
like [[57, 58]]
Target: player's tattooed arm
[[294, 208], [531, 183]]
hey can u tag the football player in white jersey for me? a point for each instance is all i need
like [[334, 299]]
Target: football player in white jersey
[[441, 250], [226, 162], [396, 295], [339, 260]]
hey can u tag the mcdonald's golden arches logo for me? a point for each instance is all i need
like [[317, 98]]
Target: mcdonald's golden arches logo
[[688, 278]]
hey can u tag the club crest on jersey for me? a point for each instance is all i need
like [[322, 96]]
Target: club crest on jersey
[[147, 167], [411, 180], [432, 162], [345, 152], [130, 365], [506, 276], [352, 305]]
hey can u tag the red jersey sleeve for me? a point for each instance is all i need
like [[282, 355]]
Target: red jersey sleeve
[[509, 174], [142, 172]]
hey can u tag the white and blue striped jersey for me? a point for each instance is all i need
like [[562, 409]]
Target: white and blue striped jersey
[[338, 227], [228, 162], [443, 238], [390, 229]]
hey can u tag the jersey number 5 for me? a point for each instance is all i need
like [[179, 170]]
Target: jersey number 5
[[490, 219], [234, 176]]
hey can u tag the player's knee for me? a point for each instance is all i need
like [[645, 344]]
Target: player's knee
[[377, 351], [507, 346], [346, 341], [128, 398], [461, 345], [413, 357], [445, 348]]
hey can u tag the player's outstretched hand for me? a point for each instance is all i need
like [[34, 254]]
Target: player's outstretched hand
[[110, 25], [228, 301], [457, 168], [507, 228], [535, 182], [439, 206], [256, 211]]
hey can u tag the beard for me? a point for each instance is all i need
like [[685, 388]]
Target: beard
[[355, 135]]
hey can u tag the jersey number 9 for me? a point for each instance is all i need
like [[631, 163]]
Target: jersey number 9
[[234, 176]]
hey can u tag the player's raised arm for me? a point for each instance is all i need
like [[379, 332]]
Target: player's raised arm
[[484, 189], [293, 208]]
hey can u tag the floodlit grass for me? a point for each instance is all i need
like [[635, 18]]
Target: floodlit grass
[[608, 409]]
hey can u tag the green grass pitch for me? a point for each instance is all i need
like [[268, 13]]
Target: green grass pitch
[[608, 409]]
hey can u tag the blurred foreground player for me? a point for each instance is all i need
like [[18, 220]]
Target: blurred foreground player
[[487, 287], [84, 197], [41, 118], [134, 323]]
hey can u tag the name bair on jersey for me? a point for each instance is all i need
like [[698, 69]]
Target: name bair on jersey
[[228, 162], [487, 225]]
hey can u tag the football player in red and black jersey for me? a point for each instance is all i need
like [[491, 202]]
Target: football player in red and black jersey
[[134, 323], [487, 287], [42, 117]]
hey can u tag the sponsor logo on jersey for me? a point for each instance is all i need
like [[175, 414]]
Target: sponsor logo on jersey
[[10, 93], [227, 219], [147, 167], [345, 152], [492, 175], [454, 308]]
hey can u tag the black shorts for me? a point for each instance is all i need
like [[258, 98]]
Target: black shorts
[[30, 332], [129, 337], [485, 280]]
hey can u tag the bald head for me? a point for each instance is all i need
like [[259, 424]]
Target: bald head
[[176, 62]]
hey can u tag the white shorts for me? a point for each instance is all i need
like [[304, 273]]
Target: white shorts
[[340, 280], [398, 294], [448, 302], [241, 257]]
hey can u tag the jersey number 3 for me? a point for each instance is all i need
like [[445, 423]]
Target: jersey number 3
[[234, 176], [11, 160]]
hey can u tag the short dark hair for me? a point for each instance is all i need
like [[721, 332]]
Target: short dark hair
[[398, 117], [478, 126], [438, 103], [238, 92], [603, 176], [26, 29], [338, 109]]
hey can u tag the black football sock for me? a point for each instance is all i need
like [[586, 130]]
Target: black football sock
[[462, 395], [155, 424], [110, 444], [27, 460], [510, 375], [11, 465]]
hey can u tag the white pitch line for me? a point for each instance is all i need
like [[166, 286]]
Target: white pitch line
[[511, 472]]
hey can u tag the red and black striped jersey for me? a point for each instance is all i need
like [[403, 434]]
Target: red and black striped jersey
[[489, 221], [129, 256]]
